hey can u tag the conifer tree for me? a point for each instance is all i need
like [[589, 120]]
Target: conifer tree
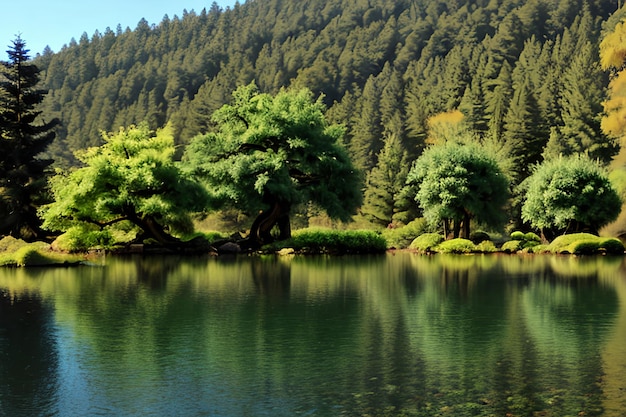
[[23, 138], [583, 94], [385, 183]]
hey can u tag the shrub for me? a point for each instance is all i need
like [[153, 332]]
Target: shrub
[[402, 237], [458, 245], [426, 242], [332, 241], [479, 236], [517, 235], [612, 246], [584, 247], [512, 246], [78, 239], [486, 246], [561, 244], [532, 237], [584, 244]]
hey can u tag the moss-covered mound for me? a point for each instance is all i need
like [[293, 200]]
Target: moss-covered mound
[[585, 244], [16, 252]]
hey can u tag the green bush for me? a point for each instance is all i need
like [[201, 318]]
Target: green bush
[[512, 246], [457, 245], [562, 243], [532, 237], [30, 255], [584, 244], [479, 236], [584, 247], [332, 241], [612, 246], [401, 237], [426, 242], [517, 235], [486, 246], [77, 239]]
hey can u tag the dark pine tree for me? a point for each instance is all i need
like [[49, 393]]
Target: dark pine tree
[[23, 138]]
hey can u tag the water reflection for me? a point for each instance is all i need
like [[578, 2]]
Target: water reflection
[[375, 335]]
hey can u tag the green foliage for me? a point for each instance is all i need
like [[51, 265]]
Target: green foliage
[[512, 246], [426, 242], [275, 148], [385, 183], [332, 241], [517, 235], [129, 182], [531, 237], [486, 246], [82, 239], [459, 182], [569, 194], [458, 245], [23, 139], [479, 236], [584, 244], [401, 237], [16, 252]]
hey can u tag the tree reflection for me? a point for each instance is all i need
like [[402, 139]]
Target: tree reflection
[[379, 335], [28, 358]]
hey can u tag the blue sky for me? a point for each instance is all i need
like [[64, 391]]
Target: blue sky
[[55, 23]]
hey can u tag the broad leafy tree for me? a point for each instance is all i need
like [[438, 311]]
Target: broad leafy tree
[[270, 153], [569, 194], [130, 183], [23, 139], [457, 182]]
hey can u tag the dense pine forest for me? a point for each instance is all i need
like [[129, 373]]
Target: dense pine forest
[[523, 73]]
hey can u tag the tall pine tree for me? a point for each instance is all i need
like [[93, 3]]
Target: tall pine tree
[[23, 139]]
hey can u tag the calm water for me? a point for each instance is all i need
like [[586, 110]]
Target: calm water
[[388, 335]]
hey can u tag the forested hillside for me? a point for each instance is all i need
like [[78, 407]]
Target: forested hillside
[[523, 72]]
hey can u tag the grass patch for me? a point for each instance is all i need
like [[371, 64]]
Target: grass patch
[[332, 241], [15, 252]]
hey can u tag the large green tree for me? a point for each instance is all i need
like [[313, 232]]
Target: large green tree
[[385, 183], [457, 182], [23, 139], [270, 153], [569, 194], [130, 183]]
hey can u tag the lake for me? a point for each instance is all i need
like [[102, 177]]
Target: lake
[[386, 335]]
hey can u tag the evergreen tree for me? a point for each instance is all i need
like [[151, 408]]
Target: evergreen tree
[[385, 183], [23, 138], [582, 107]]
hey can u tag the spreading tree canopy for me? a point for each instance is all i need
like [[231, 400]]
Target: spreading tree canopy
[[272, 152], [23, 138], [129, 183], [456, 182], [569, 194]]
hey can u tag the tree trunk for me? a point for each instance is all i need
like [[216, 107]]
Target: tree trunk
[[277, 215], [466, 225]]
